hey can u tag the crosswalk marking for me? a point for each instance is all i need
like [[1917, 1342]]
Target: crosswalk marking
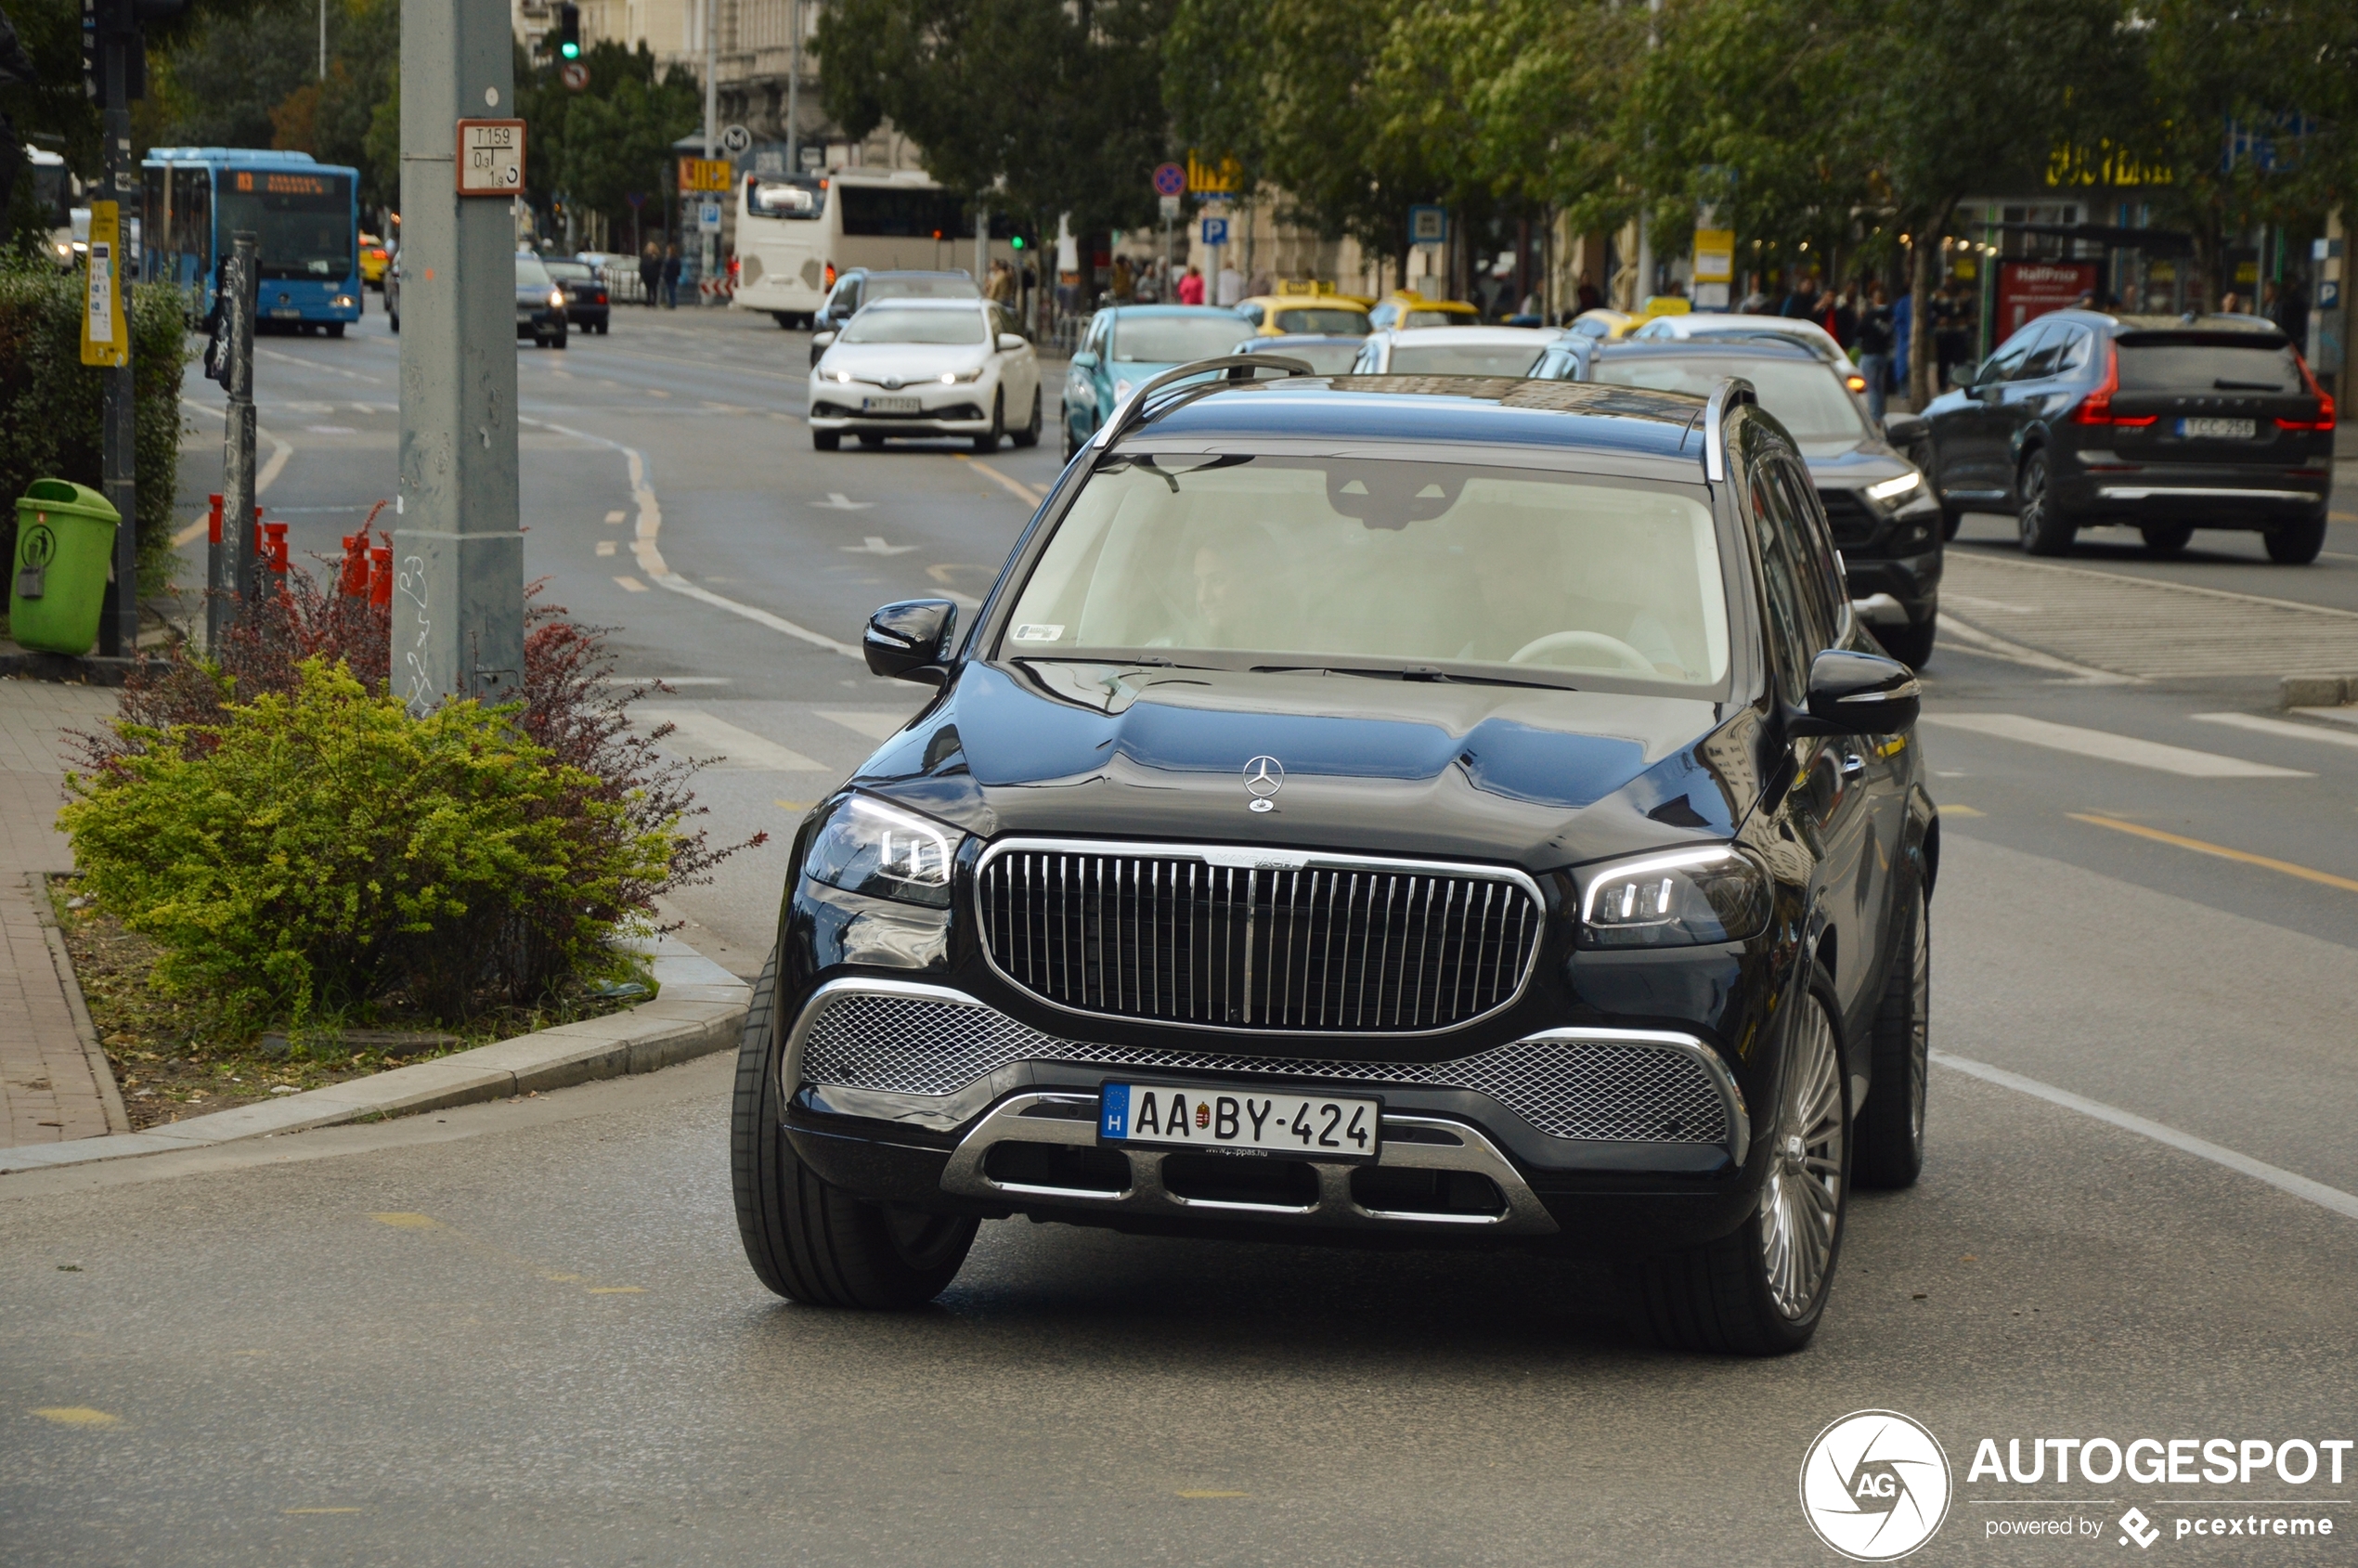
[[2107, 746], [697, 730], [2338, 715], [2259, 726], [876, 724]]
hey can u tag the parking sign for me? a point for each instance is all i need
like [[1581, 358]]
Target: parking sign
[[1428, 225], [1215, 231], [709, 218]]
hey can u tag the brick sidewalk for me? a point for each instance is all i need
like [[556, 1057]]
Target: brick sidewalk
[[54, 1083]]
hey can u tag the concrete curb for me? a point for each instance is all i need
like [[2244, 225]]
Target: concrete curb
[[699, 1008], [101, 1073]]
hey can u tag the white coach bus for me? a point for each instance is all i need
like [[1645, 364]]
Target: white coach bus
[[798, 233]]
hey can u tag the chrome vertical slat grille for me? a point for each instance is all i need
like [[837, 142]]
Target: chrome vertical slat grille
[[1312, 947]]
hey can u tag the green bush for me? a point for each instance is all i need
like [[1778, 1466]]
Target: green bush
[[316, 850], [50, 401]]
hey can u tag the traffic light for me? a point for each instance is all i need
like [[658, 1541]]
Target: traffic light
[[569, 30], [1016, 240]]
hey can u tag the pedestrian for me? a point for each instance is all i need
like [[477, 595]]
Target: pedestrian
[[1846, 318], [1231, 287], [1903, 326], [1875, 331], [1802, 305], [651, 275], [1951, 323], [1191, 286], [671, 276], [2231, 304], [1124, 283], [1585, 298], [1259, 286], [1002, 284], [2289, 309]]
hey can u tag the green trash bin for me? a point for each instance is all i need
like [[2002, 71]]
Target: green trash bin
[[65, 542]]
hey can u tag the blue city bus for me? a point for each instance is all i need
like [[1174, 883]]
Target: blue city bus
[[303, 215]]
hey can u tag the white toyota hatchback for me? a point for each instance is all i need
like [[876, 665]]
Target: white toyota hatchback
[[925, 367]]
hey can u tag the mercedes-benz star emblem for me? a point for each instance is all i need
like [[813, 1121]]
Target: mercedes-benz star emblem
[[1264, 776]]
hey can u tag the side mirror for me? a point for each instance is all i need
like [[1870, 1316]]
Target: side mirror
[[1085, 360], [1010, 342], [1901, 429], [909, 641], [1855, 695], [822, 339]]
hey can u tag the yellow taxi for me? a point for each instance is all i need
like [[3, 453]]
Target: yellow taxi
[[374, 259], [1606, 324], [1312, 308], [1402, 309]]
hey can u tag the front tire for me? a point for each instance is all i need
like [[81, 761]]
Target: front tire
[[1891, 1128], [989, 441], [1761, 1289], [1030, 435], [808, 1242], [2044, 531], [2296, 544], [826, 440]]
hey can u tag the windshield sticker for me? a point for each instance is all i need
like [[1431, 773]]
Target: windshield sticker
[[1035, 633]]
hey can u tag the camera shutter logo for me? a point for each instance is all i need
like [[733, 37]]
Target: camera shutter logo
[[1264, 776], [1875, 1485]]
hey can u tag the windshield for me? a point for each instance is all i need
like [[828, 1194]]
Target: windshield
[[1325, 320], [1327, 358], [2208, 367], [1367, 562], [303, 223], [778, 201], [530, 274], [1807, 398], [884, 324], [1464, 358], [943, 286], [1173, 340]]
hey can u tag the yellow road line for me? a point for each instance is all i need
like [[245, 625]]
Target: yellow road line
[[1960, 812], [323, 1511], [1021, 490], [1215, 1494], [2306, 873], [76, 1415]]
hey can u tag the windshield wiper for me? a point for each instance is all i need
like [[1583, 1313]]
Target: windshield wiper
[[1411, 672]]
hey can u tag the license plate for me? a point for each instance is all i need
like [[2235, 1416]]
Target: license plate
[[278, 314], [2216, 430], [1241, 1120], [887, 405]]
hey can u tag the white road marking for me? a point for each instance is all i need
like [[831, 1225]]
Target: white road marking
[[740, 748], [607, 546], [2259, 726], [2324, 1196], [1982, 643], [872, 545], [650, 558], [331, 430], [614, 516], [2107, 747], [878, 724], [2338, 715], [261, 353], [630, 585], [838, 501]]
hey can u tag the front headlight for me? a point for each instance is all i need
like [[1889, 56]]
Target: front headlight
[[1678, 898], [843, 377], [1892, 490], [885, 852], [557, 299], [952, 378]]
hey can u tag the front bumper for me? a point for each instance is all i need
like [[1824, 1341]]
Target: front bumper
[[963, 409], [921, 1094], [1895, 589]]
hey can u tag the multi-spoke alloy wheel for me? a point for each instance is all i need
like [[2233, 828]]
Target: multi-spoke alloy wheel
[[1801, 1207]]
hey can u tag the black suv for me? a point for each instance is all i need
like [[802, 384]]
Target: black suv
[[860, 285], [2166, 423], [1410, 809], [1884, 520]]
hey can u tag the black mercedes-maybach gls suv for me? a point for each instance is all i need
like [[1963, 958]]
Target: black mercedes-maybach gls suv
[[1419, 810]]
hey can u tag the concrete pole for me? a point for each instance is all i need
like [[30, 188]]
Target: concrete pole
[[711, 134], [119, 620], [794, 90], [458, 602]]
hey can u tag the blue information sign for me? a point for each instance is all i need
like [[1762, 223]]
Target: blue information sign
[[1215, 231]]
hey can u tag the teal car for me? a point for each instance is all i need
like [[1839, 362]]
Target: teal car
[[1129, 344]]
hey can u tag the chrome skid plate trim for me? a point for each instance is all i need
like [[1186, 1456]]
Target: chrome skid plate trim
[[1072, 1120]]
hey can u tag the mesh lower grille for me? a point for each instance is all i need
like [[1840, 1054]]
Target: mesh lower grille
[[1854, 523], [1568, 1089]]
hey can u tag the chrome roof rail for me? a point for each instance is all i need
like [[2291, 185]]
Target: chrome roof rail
[[1239, 367], [1729, 394]]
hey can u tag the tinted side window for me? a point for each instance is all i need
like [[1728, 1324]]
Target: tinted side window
[[2011, 354], [2041, 361], [1824, 599], [2076, 352], [1790, 641], [2150, 365]]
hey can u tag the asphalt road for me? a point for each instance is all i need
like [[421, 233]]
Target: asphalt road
[[524, 1333]]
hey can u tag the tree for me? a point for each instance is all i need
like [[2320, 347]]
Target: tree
[[1037, 107], [596, 146]]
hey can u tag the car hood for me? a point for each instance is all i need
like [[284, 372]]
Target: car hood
[[1540, 778], [905, 362], [1853, 462]]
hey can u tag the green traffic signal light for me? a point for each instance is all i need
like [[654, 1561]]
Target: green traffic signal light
[[570, 51], [569, 30], [1016, 241]]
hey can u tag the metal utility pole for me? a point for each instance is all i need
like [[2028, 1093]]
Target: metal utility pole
[[111, 31], [458, 602], [323, 40], [229, 565], [793, 91], [712, 252]]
